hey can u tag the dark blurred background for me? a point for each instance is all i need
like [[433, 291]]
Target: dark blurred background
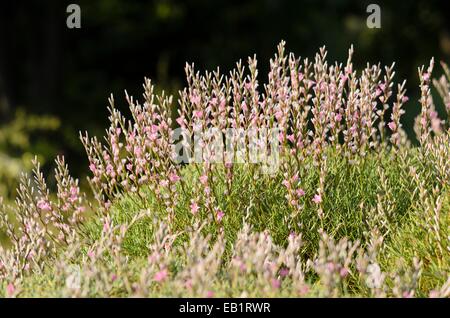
[[55, 81]]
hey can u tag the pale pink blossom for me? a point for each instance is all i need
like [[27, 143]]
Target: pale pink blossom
[[220, 215], [44, 205], [275, 283], [195, 99], [317, 199], [434, 294], [93, 168], [279, 115], [331, 266], [203, 179], [304, 289], [164, 183], [73, 194], [180, 121], [10, 289], [198, 114], [284, 272], [161, 275], [194, 208], [408, 294], [378, 92], [213, 101], [392, 125], [244, 106], [173, 177]]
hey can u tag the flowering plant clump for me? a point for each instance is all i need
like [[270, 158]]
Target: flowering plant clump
[[303, 186]]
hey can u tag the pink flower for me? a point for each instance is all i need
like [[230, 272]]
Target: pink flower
[[348, 69], [343, 272], [423, 120], [284, 272], [194, 208], [278, 115], [434, 294], [220, 215], [378, 92], [244, 106], [198, 114], [330, 266], [209, 294], [392, 126], [285, 183], [303, 290], [203, 179], [213, 101], [161, 275], [426, 76], [164, 183], [195, 99], [275, 283], [291, 138], [10, 289], [73, 194], [153, 136], [317, 199], [338, 117], [137, 151], [180, 120], [93, 168], [188, 284], [173, 177], [222, 105], [110, 170], [44, 205], [300, 192], [407, 294], [405, 99]]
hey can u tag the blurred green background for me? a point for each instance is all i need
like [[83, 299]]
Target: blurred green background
[[55, 81]]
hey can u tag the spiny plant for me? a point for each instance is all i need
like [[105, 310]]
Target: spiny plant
[[319, 192]]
